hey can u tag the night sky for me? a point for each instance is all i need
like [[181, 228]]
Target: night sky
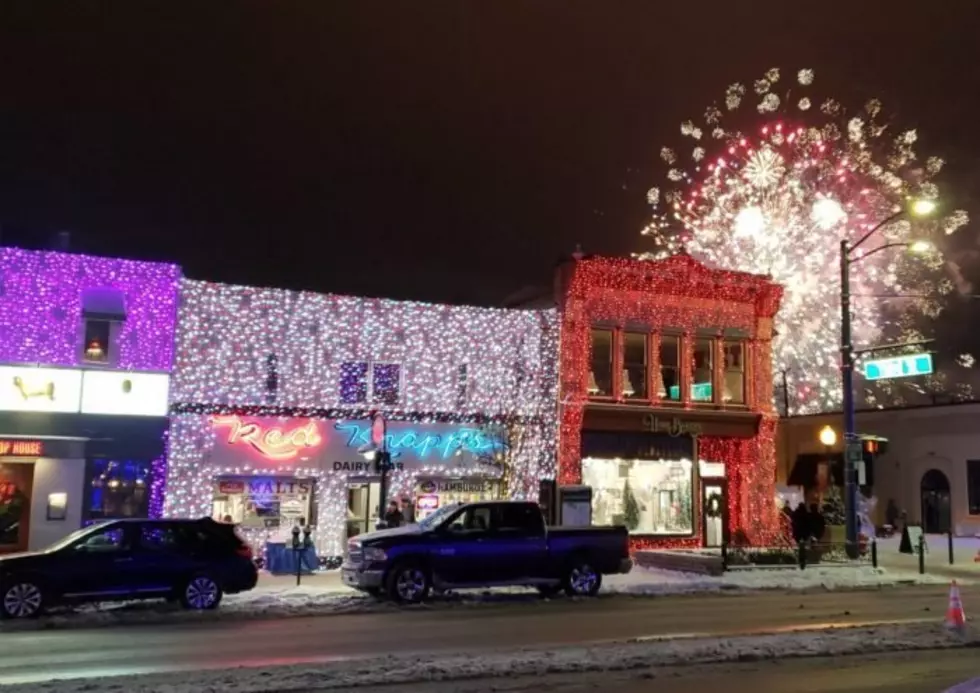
[[448, 151]]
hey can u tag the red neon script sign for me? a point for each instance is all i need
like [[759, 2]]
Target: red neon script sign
[[273, 442]]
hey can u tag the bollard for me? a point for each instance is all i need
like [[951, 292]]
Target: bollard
[[922, 554], [802, 546], [874, 553], [724, 557], [950, 536]]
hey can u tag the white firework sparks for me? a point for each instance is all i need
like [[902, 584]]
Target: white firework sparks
[[779, 204]]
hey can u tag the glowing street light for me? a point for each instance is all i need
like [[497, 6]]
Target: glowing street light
[[828, 436]]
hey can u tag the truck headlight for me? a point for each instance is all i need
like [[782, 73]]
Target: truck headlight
[[374, 554]]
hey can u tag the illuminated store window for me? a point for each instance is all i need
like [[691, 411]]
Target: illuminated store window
[[634, 365], [258, 502], [116, 489], [385, 382], [103, 313], [354, 382], [600, 377], [702, 368], [97, 334], [734, 392], [650, 497], [668, 382]]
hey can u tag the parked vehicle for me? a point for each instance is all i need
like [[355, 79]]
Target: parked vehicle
[[190, 561], [484, 545]]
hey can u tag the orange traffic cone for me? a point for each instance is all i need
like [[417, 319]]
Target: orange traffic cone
[[955, 618]]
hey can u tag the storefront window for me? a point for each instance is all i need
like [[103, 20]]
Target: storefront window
[[634, 365], [648, 496], [432, 494], [668, 384], [16, 481], [734, 392], [263, 502], [600, 380], [117, 488], [701, 390]]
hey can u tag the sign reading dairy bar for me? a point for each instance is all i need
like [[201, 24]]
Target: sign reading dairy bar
[[21, 448]]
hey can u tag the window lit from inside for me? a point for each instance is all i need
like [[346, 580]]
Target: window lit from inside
[[96, 345], [701, 390], [117, 489], [668, 382], [634, 365], [734, 392], [600, 376], [649, 497]]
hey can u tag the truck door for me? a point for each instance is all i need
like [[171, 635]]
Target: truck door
[[463, 553], [520, 542]]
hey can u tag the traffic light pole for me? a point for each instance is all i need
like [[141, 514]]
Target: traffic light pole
[[847, 381], [382, 460]]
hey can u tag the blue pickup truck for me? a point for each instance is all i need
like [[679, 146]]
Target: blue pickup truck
[[484, 545]]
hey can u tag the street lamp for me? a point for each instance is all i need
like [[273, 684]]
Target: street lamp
[[828, 436], [915, 208]]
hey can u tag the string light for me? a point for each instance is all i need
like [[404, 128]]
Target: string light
[[41, 302], [491, 367], [779, 199], [678, 294]]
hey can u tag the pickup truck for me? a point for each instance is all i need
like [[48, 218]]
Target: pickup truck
[[484, 545]]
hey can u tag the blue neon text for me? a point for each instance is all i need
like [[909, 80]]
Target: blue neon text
[[469, 440]]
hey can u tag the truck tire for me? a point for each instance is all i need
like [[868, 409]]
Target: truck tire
[[408, 582], [582, 579]]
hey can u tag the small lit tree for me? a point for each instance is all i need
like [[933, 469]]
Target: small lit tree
[[631, 510]]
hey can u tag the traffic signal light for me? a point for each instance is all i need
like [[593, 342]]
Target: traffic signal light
[[875, 446]]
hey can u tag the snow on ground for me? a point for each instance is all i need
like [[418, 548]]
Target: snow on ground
[[323, 594], [972, 686], [404, 670]]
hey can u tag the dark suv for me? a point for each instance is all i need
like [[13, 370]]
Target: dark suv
[[191, 561]]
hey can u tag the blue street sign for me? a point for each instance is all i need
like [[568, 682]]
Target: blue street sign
[[898, 367]]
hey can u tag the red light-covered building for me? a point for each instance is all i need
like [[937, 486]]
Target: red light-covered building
[[666, 397]]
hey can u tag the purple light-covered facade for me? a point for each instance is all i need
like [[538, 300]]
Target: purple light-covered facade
[[41, 295]]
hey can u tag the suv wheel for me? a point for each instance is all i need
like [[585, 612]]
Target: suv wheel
[[201, 593], [21, 599], [408, 583], [582, 580]]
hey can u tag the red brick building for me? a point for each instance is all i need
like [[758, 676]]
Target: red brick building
[[666, 397]]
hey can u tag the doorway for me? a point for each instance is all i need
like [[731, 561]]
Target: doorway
[[714, 513], [934, 495], [362, 506], [16, 485]]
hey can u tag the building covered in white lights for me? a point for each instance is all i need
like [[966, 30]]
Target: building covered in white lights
[[273, 392]]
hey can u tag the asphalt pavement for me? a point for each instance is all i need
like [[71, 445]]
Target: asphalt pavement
[[45, 655], [906, 672]]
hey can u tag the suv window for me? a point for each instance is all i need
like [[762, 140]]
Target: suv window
[[474, 519], [106, 541], [518, 517]]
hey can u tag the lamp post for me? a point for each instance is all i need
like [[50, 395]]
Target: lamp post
[[917, 208]]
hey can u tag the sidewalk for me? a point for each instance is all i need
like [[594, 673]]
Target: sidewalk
[[937, 557], [327, 581]]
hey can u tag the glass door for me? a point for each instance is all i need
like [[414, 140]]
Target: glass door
[[362, 507], [713, 506]]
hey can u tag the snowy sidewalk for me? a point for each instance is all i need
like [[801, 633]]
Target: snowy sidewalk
[[402, 671], [323, 594]]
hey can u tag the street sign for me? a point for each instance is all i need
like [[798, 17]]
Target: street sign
[[898, 367], [854, 453]]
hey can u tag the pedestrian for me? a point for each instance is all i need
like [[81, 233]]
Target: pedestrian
[[800, 521], [816, 523], [393, 517]]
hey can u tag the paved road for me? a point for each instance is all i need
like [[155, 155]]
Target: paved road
[[906, 672], [43, 655]]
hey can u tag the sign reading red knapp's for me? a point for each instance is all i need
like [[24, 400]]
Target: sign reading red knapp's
[[21, 448]]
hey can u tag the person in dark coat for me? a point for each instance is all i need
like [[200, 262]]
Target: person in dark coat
[[891, 514], [800, 520], [816, 522], [393, 516]]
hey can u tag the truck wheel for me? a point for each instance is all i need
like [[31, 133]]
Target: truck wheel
[[408, 583], [582, 580]]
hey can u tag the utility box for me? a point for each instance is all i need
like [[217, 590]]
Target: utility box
[[575, 506]]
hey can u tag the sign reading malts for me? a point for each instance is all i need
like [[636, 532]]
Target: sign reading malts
[[898, 367], [338, 445], [125, 393], [21, 448], [25, 388]]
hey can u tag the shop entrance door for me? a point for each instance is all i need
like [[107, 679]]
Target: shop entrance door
[[362, 506], [714, 512], [16, 485]]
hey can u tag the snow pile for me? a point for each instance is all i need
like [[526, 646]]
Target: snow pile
[[414, 669], [971, 686]]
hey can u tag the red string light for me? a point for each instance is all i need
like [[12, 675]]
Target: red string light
[[680, 294]]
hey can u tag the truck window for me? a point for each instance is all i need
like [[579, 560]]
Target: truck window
[[473, 519], [519, 518]]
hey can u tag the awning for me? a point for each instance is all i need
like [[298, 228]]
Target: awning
[[806, 466], [636, 446]]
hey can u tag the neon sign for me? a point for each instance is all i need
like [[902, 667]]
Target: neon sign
[[273, 442], [21, 448], [423, 445]]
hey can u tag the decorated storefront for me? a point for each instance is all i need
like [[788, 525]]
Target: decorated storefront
[[274, 393], [666, 389]]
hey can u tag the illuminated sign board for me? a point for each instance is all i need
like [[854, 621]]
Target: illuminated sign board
[[16, 447], [29, 389], [275, 442], [898, 367], [122, 393], [340, 444]]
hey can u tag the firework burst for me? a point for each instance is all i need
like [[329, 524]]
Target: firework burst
[[778, 199]]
